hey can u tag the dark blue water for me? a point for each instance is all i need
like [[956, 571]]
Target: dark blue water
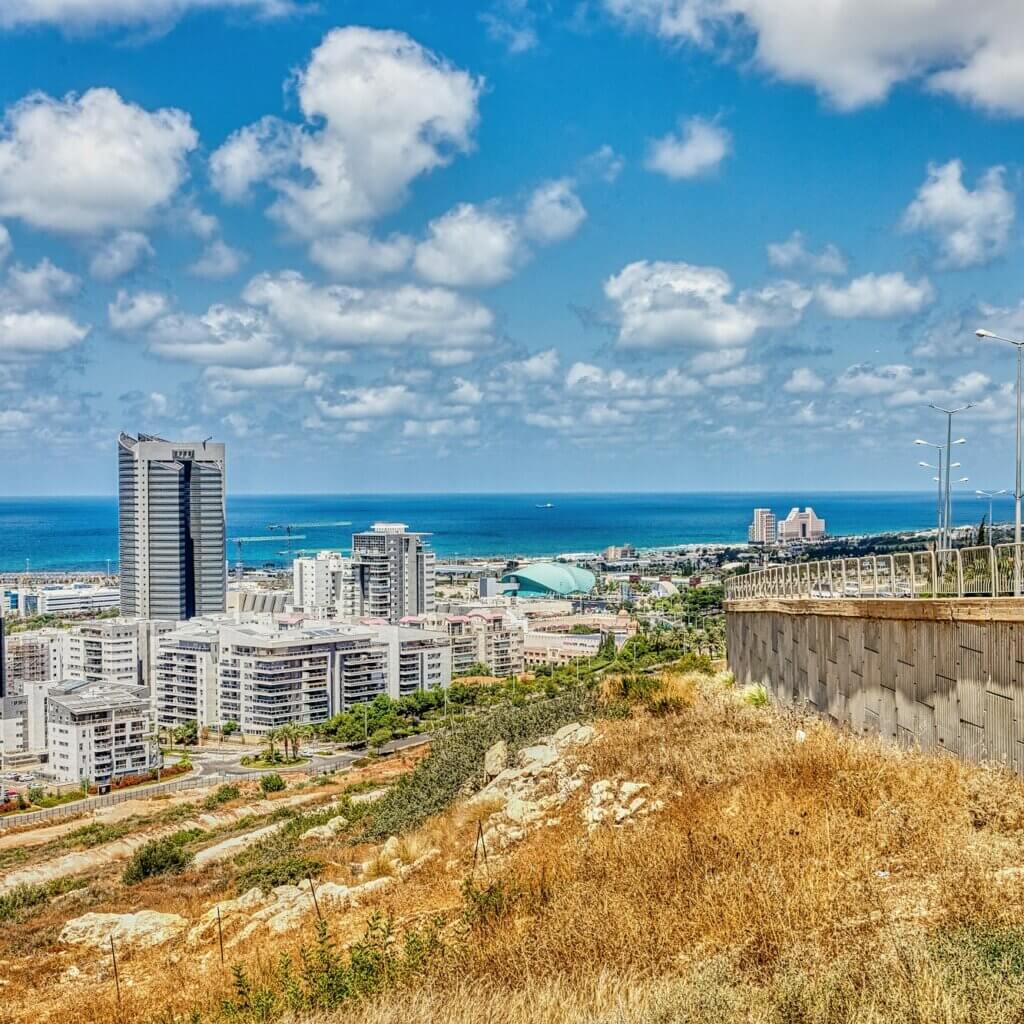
[[81, 533]]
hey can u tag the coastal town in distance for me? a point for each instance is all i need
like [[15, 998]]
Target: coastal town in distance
[[511, 512]]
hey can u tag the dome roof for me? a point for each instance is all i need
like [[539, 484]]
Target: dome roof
[[551, 578]]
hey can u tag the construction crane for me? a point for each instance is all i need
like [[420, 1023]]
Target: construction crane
[[239, 541], [289, 527]]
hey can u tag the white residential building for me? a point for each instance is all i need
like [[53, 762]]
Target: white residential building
[[99, 732], [801, 526], [418, 659], [317, 583], [106, 650], [184, 676], [269, 677], [763, 529], [392, 574], [481, 636]]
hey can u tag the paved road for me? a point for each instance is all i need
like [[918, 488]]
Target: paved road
[[230, 762]]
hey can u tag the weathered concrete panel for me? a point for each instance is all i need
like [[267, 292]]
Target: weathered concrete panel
[[945, 675]]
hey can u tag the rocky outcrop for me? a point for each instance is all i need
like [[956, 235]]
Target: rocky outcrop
[[496, 759], [617, 803], [328, 831], [530, 794], [141, 930]]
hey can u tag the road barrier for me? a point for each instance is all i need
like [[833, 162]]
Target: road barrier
[[985, 571]]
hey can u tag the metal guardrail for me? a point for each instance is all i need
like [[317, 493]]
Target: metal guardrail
[[987, 571], [18, 819]]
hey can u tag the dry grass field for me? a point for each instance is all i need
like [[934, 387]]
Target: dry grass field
[[793, 874]]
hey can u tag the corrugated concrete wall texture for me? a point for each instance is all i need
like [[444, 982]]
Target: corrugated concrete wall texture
[[946, 684]]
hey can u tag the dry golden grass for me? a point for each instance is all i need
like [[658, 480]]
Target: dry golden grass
[[795, 874]]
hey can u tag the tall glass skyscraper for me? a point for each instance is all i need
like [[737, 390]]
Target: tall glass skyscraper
[[171, 527]]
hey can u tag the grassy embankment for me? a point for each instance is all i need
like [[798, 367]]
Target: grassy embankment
[[795, 874]]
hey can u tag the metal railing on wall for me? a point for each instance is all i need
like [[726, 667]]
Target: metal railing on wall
[[986, 571]]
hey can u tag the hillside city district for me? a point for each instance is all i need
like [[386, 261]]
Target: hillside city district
[[183, 646]]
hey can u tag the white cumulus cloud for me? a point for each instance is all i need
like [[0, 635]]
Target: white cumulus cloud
[[35, 332], [876, 295], [663, 304], [222, 336], [854, 51], [91, 162], [804, 381], [698, 148], [348, 317], [793, 254], [120, 255], [469, 246], [970, 227], [217, 260], [90, 14], [353, 254], [554, 212], [131, 311], [379, 109]]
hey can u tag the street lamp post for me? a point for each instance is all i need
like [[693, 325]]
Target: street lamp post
[[949, 414], [990, 495], [942, 540], [938, 498], [982, 333]]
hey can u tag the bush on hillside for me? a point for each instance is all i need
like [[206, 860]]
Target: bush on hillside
[[272, 783], [157, 857]]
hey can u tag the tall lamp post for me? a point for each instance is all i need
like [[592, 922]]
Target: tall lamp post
[[982, 333], [938, 498], [949, 414], [944, 451], [990, 495]]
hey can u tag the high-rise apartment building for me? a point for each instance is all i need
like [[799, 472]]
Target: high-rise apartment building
[[392, 574], [762, 529], [171, 523], [104, 651]]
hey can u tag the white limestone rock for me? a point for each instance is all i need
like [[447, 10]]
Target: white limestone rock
[[140, 930], [496, 759]]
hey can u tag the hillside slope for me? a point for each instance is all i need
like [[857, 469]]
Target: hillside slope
[[691, 857]]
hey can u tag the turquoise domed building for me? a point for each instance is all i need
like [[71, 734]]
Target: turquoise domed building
[[550, 579]]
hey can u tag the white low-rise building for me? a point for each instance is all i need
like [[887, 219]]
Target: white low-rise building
[[560, 648], [76, 598], [99, 732]]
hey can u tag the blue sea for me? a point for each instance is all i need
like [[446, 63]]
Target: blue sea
[[80, 533]]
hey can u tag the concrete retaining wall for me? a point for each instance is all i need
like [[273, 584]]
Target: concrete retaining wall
[[937, 673]]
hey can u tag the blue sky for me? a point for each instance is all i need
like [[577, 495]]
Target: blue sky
[[509, 245]]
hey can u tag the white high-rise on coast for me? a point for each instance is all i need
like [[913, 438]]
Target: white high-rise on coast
[[762, 530], [171, 527], [801, 526]]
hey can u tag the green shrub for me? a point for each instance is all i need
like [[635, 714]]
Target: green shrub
[[756, 695], [325, 978], [185, 836], [221, 795], [457, 756], [287, 869], [272, 783], [157, 857], [22, 899]]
